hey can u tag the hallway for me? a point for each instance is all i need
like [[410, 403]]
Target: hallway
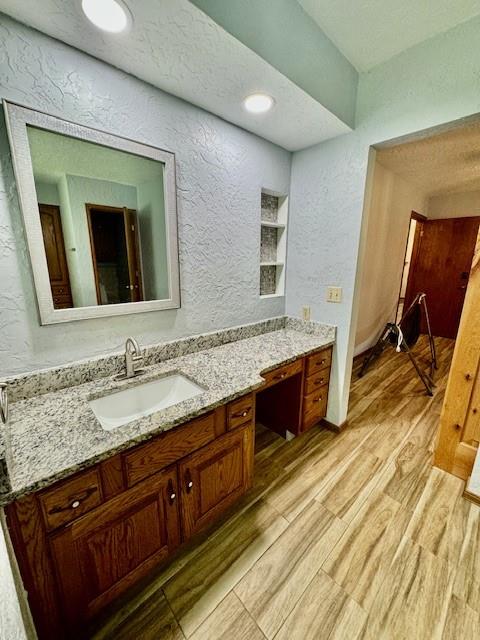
[[338, 535]]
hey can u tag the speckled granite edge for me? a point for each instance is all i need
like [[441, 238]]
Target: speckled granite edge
[[53, 435], [39, 382], [311, 327], [43, 381]]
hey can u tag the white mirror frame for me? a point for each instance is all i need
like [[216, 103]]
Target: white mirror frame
[[17, 118]]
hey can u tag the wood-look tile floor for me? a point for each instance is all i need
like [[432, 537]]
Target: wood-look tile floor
[[343, 537]]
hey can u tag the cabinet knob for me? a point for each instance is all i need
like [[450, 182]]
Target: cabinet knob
[[75, 504], [244, 414], [171, 491], [318, 399], [188, 480]]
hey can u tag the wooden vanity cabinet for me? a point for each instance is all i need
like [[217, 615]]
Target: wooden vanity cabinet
[[86, 539], [294, 397], [83, 541]]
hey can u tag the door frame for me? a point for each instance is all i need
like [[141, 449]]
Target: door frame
[[414, 215], [125, 213]]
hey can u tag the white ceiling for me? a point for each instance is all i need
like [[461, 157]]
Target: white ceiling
[[176, 47], [445, 163], [369, 32]]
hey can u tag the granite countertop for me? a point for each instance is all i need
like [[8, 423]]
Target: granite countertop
[[53, 435]]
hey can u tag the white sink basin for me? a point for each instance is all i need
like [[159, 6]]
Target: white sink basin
[[121, 407]]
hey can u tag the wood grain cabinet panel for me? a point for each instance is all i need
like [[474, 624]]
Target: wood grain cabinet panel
[[317, 380], [314, 407], [71, 499], [240, 411], [103, 553], [149, 458], [213, 478], [318, 361], [315, 388], [282, 373]]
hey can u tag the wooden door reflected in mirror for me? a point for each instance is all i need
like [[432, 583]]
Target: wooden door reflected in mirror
[[115, 248]]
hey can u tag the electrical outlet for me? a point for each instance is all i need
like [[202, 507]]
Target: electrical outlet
[[306, 313], [334, 294]]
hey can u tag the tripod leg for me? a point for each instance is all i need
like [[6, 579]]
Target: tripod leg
[[431, 339], [422, 376], [375, 352]]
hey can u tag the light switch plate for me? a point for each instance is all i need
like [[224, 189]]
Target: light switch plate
[[306, 313], [334, 294]]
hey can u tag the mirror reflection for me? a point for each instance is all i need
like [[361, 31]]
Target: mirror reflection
[[102, 214]]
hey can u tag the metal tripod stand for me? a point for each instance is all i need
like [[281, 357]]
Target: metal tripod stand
[[393, 334]]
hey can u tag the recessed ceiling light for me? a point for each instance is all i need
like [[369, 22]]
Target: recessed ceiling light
[[108, 15], [258, 103]]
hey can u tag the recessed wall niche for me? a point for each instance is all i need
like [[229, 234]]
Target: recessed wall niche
[[273, 243]]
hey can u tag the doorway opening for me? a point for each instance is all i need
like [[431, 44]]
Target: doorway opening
[[422, 225], [114, 241]]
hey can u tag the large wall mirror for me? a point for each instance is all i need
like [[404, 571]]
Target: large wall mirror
[[100, 218]]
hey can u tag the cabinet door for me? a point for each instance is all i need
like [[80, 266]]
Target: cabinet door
[[214, 477], [102, 553]]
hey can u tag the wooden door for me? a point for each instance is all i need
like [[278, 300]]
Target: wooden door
[[56, 258], [440, 268], [459, 433], [104, 552], [212, 478], [133, 252], [116, 257]]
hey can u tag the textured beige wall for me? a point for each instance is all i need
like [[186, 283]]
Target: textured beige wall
[[454, 205], [391, 204]]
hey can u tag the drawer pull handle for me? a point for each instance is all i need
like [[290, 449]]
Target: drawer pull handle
[[190, 485], [318, 399], [75, 503], [321, 361], [280, 376], [241, 414], [172, 497], [319, 380]]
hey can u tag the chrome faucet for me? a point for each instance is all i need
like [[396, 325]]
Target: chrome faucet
[[3, 403], [133, 357]]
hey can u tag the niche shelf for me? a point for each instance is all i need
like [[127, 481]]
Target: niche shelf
[[273, 243]]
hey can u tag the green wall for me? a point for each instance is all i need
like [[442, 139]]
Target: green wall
[[284, 35], [429, 85]]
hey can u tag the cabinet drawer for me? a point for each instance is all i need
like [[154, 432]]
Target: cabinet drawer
[[314, 407], [319, 361], [149, 458], [277, 375], [316, 380], [240, 412], [71, 499]]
